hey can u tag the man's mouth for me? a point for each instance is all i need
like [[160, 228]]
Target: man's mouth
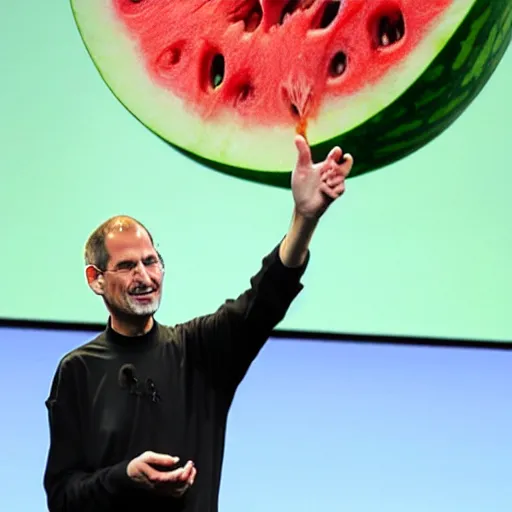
[[142, 292]]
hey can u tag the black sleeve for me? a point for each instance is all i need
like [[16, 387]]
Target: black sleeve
[[69, 486], [225, 343]]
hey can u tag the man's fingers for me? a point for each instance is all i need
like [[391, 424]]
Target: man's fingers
[[159, 459], [180, 475], [192, 476], [172, 482], [326, 190], [181, 487], [344, 167], [151, 474], [334, 180], [168, 476], [187, 471], [339, 190], [348, 162], [330, 192], [304, 157], [335, 155]]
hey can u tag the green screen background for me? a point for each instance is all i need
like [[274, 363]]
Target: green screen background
[[420, 248]]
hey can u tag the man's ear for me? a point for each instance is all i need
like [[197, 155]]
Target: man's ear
[[95, 279]]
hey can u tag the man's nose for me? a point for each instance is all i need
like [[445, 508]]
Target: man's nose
[[141, 273]]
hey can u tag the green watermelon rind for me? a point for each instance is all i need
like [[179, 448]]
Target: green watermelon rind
[[412, 120], [436, 100]]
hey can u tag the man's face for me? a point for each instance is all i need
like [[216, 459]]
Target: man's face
[[134, 276]]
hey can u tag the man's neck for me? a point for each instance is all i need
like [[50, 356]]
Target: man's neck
[[132, 327]]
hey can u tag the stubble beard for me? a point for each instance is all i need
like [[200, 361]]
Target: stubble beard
[[142, 309], [128, 307]]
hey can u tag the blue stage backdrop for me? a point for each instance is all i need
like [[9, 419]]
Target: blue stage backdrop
[[314, 427]]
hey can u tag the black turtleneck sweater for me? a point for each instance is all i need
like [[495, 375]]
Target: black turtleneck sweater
[[97, 424]]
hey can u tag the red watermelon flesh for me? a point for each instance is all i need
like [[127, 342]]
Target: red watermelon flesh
[[274, 61], [230, 81]]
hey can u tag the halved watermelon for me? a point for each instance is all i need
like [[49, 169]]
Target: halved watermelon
[[231, 81]]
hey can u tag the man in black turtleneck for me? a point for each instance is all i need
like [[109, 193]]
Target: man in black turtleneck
[[137, 416]]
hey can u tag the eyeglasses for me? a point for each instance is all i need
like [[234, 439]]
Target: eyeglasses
[[151, 265]]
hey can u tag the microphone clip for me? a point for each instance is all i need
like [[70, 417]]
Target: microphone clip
[[128, 380], [155, 397]]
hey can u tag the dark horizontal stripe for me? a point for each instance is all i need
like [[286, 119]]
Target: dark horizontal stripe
[[295, 334]]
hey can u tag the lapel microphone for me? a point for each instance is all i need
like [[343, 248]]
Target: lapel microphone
[[128, 380], [127, 377]]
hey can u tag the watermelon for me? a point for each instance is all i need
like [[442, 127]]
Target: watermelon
[[230, 82]]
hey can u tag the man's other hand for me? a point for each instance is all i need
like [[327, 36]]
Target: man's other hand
[[150, 470]]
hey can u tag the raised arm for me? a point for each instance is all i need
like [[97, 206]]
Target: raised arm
[[314, 188], [225, 343]]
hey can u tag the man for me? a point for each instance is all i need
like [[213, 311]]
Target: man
[[138, 415]]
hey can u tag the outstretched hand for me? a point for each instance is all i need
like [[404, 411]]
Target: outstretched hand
[[165, 480], [316, 186]]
